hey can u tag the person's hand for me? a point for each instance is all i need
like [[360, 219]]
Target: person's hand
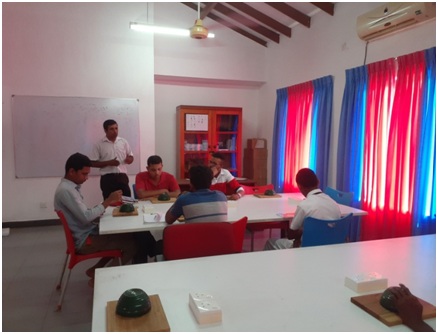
[[113, 162], [129, 159], [113, 197], [234, 197], [409, 308]]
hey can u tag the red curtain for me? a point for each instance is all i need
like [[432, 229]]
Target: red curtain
[[297, 145], [393, 106]]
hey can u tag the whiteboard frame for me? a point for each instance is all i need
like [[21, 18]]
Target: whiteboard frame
[[47, 130]]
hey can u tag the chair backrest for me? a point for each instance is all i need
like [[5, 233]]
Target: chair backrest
[[239, 228], [317, 232], [134, 191], [68, 236], [190, 240], [341, 197], [250, 190]]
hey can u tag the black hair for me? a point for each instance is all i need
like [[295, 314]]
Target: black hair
[[154, 160], [307, 178], [108, 123], [218, 156], [200, 177], [77, 161]]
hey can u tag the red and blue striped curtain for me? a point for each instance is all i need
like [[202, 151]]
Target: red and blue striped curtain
[[302, 132], [387, 151]]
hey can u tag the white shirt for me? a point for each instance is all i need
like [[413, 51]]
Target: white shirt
[[105, 150], [224, 176], [317, 205]]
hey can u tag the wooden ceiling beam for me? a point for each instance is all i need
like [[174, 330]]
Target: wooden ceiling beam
[[230, 25], [247, 22], [207, 9], [261, 17], [291, 12], [327, 7]]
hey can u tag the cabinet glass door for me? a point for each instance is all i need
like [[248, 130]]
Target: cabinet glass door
[[226, 140]]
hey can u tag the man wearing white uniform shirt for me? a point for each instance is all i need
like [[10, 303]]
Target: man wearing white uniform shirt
[[316, 204], [223, 180], [111, 154]]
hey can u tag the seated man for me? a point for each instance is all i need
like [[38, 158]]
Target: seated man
[[316, 204], [155, 181], [83, 221], [201, 205], [223, 180]]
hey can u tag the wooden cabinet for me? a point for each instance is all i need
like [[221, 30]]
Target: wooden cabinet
[[203, 130]]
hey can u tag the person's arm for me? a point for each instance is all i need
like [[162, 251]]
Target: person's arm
[[296, 227], [142, 193], [409, 309], [101, 164], [129, 159], [170, 218], [174, 189]]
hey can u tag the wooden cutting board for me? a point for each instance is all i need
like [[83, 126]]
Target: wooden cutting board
[[153, 321], [116, 213], [155, 200], [370, 304], [267, 196]]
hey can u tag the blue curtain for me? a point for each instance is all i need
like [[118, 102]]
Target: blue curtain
[[424, 208], [321, 128], [350, 141], [320, 132], [279, 133], [351, 145]]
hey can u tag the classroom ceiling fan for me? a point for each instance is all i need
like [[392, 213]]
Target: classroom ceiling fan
[[198, 31]]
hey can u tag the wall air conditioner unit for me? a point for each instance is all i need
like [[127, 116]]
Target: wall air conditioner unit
[[393, 17]]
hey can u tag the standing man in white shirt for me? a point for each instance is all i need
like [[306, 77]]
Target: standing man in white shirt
[[111, 154], [316, 204]]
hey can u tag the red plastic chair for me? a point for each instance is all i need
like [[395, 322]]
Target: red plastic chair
[[72, 258], [185, 241]]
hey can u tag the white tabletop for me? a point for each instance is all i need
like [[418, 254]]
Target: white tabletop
[[288, 290], [256, 209]]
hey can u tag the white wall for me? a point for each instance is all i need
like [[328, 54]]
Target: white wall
[[70, 49], [86, 49]]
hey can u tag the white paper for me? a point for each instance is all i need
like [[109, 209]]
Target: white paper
[[152, 217]]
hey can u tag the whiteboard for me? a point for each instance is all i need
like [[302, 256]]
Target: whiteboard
[[47, 130]]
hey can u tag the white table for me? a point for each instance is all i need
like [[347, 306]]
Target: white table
[[256, 209], [287, 290]]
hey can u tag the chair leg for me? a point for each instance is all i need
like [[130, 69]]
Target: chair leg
[[64, 288], [64, 267], [252, 233]]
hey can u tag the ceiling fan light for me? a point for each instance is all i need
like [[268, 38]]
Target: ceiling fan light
[[198, 31]]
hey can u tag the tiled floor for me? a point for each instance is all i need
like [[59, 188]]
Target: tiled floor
[[32, 260]]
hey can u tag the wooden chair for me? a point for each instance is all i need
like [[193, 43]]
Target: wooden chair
[[184, 241], [318, 232], [252, 228], [72, 258]]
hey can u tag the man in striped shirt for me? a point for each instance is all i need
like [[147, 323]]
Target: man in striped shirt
[[201, 205]]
